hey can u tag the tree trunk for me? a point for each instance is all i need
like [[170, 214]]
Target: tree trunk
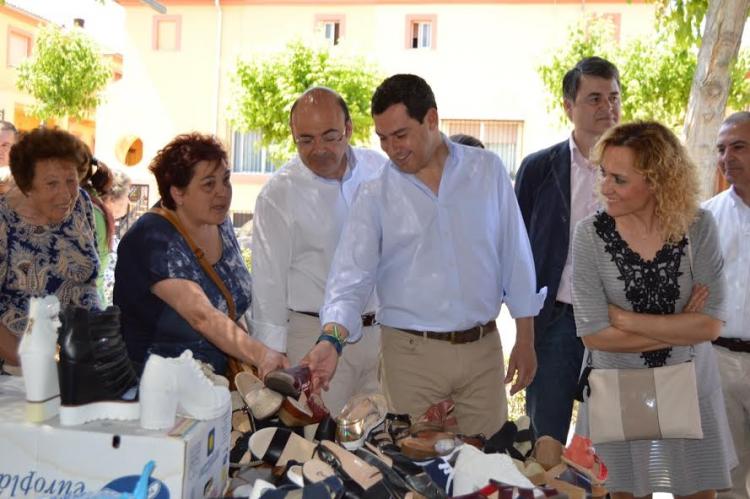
[[725, 21]]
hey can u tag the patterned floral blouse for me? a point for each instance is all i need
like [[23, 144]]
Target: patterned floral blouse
[[40, 260]]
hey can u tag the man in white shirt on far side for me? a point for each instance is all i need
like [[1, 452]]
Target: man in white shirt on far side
[[731, 209], [298, 218]]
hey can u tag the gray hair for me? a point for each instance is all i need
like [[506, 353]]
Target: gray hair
[[738, 118], [120, 184]]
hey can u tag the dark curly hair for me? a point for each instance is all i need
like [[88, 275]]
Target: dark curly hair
[[174, 164], [42, 144]]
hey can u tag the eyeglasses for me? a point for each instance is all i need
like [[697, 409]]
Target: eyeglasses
[[331, 137]]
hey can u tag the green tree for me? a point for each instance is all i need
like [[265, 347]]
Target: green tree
[[264, 91], [66, 75], [714, 82], [656, 72]]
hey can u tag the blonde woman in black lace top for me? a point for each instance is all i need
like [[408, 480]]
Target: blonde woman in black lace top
[[639, 302]]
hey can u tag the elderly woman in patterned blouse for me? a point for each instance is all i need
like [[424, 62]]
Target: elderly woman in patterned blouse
[[169, 302], [46, 232]]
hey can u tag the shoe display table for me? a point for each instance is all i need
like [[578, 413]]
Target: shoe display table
[[50, 460]]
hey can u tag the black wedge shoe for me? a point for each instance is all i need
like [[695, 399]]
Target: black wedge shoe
[[97, 379]]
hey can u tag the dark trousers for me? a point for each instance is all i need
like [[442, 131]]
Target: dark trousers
[[559, 353]]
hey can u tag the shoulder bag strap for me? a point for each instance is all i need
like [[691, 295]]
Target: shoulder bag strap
[[207, 268], [690, 254], [692, 276]]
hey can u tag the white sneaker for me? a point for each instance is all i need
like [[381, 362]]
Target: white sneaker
[[158, 393], [37, 352], [198, 397], [171, 386]]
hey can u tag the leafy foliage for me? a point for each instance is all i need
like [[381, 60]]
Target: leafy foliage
[[656, 72], [266, 89], [66, 75], [683, 18]]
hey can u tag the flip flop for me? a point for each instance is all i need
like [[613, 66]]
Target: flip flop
[[276, 446]]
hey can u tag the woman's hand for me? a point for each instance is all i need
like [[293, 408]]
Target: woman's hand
[[269, 360], [618, 317], [697, 299]]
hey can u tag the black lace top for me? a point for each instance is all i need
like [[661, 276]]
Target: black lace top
[[651, 286]]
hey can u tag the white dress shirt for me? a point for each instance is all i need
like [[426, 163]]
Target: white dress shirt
[[440, 262], [297, 223], [733, 220], [583, 202]]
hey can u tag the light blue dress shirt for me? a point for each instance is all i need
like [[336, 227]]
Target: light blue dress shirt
[[441, 262]]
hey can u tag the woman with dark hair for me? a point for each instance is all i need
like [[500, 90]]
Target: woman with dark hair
[[170, 300], [46, 232], [97, 182], [648, 291]]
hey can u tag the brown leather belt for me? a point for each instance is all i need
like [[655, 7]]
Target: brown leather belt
[[456, 337], [367, 319], [733, 344]]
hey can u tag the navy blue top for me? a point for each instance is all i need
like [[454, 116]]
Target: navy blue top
[[152, 250]]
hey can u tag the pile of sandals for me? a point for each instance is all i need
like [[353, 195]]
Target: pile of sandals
[[286, 444]]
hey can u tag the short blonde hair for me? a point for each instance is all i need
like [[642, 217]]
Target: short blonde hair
[[667, 167]]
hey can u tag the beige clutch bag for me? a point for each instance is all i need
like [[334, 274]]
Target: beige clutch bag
[[644, 404]]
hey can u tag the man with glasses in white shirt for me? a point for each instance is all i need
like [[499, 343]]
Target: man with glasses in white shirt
[[298, 218], [731, 209]]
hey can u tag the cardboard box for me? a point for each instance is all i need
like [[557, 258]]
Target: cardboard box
[[49, 460]]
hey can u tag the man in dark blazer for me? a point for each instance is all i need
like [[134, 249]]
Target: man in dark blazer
[[556, 189]]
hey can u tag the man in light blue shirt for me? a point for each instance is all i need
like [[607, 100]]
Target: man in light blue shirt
[[439, 236]]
